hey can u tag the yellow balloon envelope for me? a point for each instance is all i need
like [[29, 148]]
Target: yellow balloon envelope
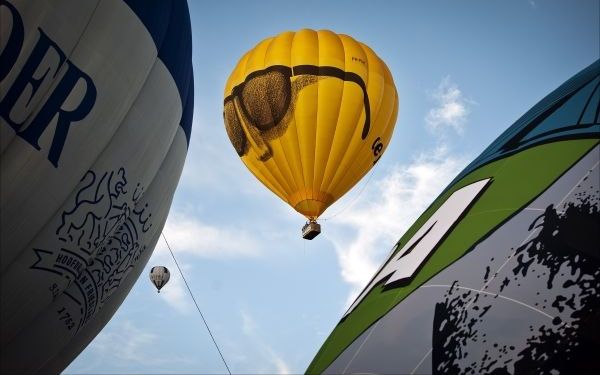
[[309, 113]]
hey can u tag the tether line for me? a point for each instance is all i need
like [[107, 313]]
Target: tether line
[[355, 199], [197, 307]]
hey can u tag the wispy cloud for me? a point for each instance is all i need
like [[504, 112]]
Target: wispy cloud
[[381, 217], [248, 324], [189, 235], [451, 109], [264, 354], [131, 341], [281, 366], [133, 344], [364, 234]]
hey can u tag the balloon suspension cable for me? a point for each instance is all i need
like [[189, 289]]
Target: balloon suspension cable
[[355, 198], [197, 307]]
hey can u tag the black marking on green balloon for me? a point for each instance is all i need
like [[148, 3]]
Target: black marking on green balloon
[[555, 347]]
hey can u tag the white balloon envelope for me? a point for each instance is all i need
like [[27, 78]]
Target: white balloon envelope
[[96, 102], [159, 276]]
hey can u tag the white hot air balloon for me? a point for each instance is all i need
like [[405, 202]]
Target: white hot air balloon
[[159, 276], [96, 101]]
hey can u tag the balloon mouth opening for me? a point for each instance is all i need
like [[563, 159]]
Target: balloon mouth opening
[[310, 203], [311, 208]]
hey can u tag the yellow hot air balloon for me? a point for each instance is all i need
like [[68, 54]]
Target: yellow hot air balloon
[[309, 113]]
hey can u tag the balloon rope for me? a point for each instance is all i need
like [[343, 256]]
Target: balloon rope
[[355, 198], [197, 307]]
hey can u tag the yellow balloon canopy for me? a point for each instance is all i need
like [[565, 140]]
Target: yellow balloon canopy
[[310, 113]]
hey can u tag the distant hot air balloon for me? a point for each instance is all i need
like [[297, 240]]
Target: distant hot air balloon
[[159, 276], [96, 101], [309, 113], [501, 274]]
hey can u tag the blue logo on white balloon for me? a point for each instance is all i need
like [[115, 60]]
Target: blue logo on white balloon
[[101, 237]]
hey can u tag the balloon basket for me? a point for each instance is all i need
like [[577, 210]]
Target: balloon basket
[[311, 230]]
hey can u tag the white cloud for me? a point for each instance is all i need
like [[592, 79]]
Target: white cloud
[[265, 353], [189, 235], [248, 324], [130, 340], [394, 202], [381, 217], [280, 364], [133, 344], [451, 109]]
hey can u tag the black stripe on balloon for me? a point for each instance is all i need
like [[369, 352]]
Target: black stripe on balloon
[[587, 103], [331, 71], [321, 71]]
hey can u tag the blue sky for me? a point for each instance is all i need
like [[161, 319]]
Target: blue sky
[[464, 71]]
